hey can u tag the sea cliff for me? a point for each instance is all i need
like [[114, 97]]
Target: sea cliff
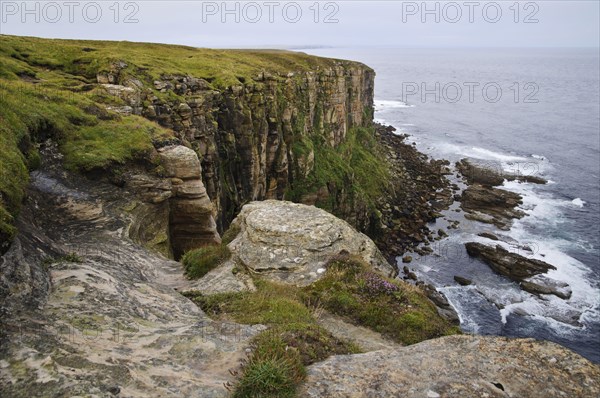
[[120, 158]]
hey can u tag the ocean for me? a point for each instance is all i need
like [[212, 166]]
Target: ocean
[[523, 111]]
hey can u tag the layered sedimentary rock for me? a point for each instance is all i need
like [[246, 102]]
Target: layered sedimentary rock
[[254, 139], [88, 312], [191, 221]]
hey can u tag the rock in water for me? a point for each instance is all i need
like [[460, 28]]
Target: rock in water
[[541, 284], [527, 271], [512, 265], [457, 366], [462, 281], [290, 242]]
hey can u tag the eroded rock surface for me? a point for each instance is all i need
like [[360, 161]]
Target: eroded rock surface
[[458, 366], [88, 312], [291, 243], [191, 220]]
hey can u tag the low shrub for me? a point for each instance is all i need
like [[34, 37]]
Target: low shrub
[[199, 262], [396, 309]]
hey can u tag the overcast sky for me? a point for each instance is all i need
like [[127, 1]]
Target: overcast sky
[[298, 24]]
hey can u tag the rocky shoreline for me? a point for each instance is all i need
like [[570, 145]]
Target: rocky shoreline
[[484, 202], [419, 191], [298, 301], [481, 200]]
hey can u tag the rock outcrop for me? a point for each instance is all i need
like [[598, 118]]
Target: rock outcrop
[[457, 366], [191, 221], [172, 213], [506, 263], [88, 312], [526, 271], [492, 174], [491, 205], [292, 243]]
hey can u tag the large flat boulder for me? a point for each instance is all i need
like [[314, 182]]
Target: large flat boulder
[[457, 366], [290, 242]]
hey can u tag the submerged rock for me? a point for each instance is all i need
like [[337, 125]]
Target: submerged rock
[[488, 235], [457, 366], [462, 281]]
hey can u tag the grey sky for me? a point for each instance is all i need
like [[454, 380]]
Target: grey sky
[[352, 23]]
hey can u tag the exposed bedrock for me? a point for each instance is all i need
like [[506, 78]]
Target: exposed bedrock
[[254, 140], [191, 221], [292, 243], [457, 366], [88, 312], [528, 272]]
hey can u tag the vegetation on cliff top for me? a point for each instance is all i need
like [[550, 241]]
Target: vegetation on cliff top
[[279, 355], [349, 288], [48, 89]]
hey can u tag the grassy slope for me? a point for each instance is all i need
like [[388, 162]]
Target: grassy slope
[[48, 88], [349, 288]]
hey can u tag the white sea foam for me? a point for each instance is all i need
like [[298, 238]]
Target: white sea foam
[[541, 211], [578, 202], [479, 153], [482, 153], [381, 105], [463, 299]]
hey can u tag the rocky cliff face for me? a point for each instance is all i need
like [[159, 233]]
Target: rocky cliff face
[[256, 139]]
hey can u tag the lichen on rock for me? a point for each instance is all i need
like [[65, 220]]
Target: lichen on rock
[[292, 243]]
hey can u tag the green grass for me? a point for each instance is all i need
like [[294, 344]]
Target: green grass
[[199, 262], [294, 340], [29, 115], [355, 166], [222, 68], [230, 234], [393, 308], [280, 354], [274, 370], [349, 288], [48, 89]]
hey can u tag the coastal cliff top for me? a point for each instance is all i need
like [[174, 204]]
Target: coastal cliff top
[[80, 93], [87, 58]]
